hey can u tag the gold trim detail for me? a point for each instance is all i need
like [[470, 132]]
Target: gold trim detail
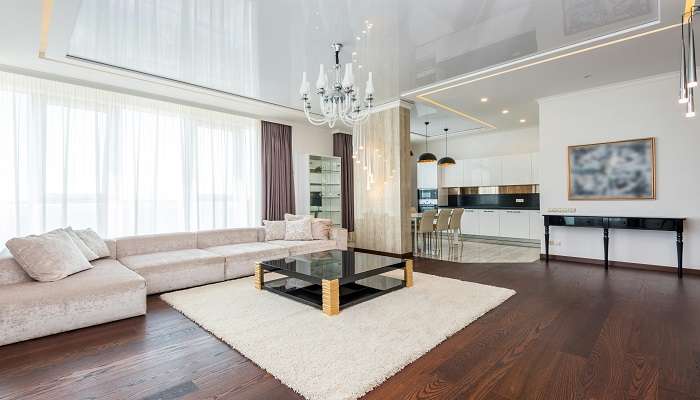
[[571, 197], [46, 11], [259, 276], [330, 293], [408, 273]]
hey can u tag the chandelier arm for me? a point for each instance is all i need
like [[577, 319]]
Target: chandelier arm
[[314, 121]]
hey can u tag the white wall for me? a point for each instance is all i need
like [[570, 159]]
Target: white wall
[[496, 143], [637, 109]]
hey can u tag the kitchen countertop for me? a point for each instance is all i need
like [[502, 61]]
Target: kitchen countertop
[[493, 208]]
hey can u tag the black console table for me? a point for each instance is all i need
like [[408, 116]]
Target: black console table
[[607, 223]]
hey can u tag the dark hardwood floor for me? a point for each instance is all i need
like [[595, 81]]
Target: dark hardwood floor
[[571, 332]]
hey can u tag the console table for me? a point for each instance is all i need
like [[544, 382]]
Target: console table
[[607, 223]]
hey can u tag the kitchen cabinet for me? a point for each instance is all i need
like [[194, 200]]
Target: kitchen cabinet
[[470, 222], [491, 169], [536, 225], [514, 224], [427, 176], [471, 172], [452, 176], [489, 222], [516, 169]]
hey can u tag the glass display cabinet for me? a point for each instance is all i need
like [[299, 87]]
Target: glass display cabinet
[[324, 187]]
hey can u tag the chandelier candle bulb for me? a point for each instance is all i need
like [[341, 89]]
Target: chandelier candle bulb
[[321, 82], [369, 88], [348, 80], [304, 90]]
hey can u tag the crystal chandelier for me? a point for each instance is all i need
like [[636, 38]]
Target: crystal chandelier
[[339, 100]]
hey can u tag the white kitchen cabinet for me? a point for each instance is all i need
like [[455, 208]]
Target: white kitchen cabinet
[[452, 175], [470, 222], [489, 224], [471, 172], [491, 170], [535, 167], [514, 224], [516, 169], [427, 176], [536, 225]]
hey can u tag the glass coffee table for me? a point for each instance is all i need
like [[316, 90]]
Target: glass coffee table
[[334, 279]]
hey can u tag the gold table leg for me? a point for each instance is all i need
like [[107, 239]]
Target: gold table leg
[[408, 273], [259, 277], [331, 297]]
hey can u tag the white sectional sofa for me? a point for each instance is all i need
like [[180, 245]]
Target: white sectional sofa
[[116, 287]]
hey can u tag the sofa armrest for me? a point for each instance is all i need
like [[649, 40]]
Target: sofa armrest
[[340, 235]]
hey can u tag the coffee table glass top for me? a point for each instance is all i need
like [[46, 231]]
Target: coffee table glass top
[[344, 265]]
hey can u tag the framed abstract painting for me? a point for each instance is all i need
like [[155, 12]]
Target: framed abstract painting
[[624, 170]]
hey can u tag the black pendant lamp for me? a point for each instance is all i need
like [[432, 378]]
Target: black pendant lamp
[[427, 157], [446, 161]]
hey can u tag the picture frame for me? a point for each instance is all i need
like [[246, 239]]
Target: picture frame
[[618, 170]]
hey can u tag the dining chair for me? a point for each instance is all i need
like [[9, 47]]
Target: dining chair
[[456, 224], [442, 225], [426, 228]]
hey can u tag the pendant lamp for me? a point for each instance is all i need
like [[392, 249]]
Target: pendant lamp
[[427, 157], [446, 161]]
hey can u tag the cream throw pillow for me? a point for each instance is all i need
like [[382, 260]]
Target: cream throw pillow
[[321, 228], [87, 252], [94, 242], [298, 230], [294, 217], [48, 257], [274, 230]]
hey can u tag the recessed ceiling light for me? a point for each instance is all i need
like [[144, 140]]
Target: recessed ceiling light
[[484, 99], [358, 38], [523, 120], [354, 53], [365, 32], [359, 66], [505, 112]]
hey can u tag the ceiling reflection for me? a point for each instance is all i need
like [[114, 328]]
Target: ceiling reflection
[[259, 49]]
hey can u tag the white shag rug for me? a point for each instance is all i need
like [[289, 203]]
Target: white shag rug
[[344, 356]]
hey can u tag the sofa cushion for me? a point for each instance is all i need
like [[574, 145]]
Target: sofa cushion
[[305, 246], [107, 292], [48, 257], [321, 228], [251, 251], [221, 237], [177, 269], [274, 230], [81, 245], [145, 244], [298, 229]]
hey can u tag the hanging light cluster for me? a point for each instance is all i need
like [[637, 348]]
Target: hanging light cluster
[[688, 75], [372, 151]]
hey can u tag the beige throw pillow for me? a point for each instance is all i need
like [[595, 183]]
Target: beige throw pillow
[[87, 252], [94, 242], [48, 257], [321, 228], [274, 230], [294, 217], [298, 230]]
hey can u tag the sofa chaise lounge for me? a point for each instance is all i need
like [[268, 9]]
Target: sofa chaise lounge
[[116, 287]]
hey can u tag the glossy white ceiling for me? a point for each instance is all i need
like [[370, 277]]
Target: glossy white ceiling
[[259, 48]]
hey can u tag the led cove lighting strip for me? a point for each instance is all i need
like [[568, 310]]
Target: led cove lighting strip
[[423, 96]]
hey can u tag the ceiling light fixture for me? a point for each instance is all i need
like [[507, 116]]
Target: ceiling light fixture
[[446, 161], [427, 157], [338, 100], [523, 120], [484, 99], [505, 112], [688, 74]]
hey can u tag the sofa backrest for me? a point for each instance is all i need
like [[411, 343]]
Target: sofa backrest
[[144, 244], [11, 272], [222, 237]]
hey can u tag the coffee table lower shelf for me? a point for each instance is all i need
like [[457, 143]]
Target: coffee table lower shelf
[[348, 294]]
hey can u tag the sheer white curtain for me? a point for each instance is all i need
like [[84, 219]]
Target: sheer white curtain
[[212, 43], [72, 155]]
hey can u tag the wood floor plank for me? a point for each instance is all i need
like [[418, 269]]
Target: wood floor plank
[[572, 331]]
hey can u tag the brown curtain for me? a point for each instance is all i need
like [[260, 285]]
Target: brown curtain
[[342, 147], [277, 177]]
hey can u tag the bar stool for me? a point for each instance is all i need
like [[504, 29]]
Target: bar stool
[[442, 225], [456, 224], [425, 226]]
